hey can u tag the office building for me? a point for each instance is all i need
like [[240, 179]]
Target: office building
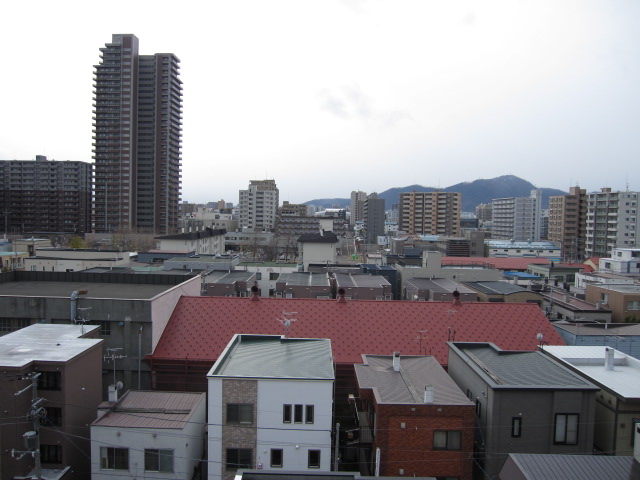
[[612, 221], [45, 196], [568, 223], [258, 205], [517, 218], [137, 139], [430, 213]]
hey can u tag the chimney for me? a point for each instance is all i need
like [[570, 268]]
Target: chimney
[[113, 394], [456, 298], [254, 294], [396, 361], [608, 358], [428, 394], [341, 298]]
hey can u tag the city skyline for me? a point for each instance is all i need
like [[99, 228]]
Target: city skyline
[[331, 97]]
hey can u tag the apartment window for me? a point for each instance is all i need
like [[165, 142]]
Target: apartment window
[[54, 416], [114, 458], [274, 276], [51, 453], [314, 459], [446, 439], [516, 426], [240, 413], [238, 458], [276, 458], [286, 413], [5, 325], [566, 428], [297, 414], [633, 305], [309, 413], [50, 381], [105, 327], [156, 460]]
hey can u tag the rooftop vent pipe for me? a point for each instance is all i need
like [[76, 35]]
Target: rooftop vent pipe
[[396, 361]]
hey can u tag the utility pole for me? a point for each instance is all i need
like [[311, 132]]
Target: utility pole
[[36, 412]]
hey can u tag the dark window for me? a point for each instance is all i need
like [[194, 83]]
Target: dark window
[[274, 276], [478, 408], [51, 453], [309, 414], [446, 439], [314, 459], [156, 460], [276, 457], [566, 428], [54, 416], [240, 413], [114, 458], [105, 327], [297, 414], [516, 426], [286, 413], [238, 458], [50, 381]]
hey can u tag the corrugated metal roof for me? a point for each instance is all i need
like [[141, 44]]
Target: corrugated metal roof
[[201, 327], [393, 387], [521, 369], [496, 288], [152, 409], [276, 357], [575, 467], [499, 263]]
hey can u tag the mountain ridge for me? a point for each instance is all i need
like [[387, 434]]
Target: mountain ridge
[[473, 193]]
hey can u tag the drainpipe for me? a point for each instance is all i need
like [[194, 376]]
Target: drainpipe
[[74, 303]]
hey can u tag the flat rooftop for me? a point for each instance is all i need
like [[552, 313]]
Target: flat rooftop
[[439, 285], [305, 279], [95, 290], [407, 386], [361, 280], [624, 379], [274, 356], [45, 343]]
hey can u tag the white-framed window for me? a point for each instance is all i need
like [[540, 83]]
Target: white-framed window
[[112, 458], [158, 460]]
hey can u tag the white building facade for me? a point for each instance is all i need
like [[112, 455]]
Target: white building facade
[[258, 205], [517, 218], [612, 221], [270, 406]]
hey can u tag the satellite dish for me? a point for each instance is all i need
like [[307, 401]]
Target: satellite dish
[[119, 385]]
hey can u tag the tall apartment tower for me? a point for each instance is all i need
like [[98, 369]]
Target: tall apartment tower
[[137, 139], [430, 213], [45, 196], [568, 223], [612, 221], [374, 216], [517, 218], [258, 205], [357, 206]]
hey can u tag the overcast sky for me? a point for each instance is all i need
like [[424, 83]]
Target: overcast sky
[[327, 96]]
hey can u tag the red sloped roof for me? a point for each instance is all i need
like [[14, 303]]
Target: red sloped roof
[[200, 327], [499, 263]]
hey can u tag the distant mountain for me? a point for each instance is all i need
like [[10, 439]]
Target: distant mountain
[[473, 193]]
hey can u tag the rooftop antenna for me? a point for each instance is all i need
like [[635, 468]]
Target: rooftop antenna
[[112, 354], [81, 318], [451, 334], [420, 337], [287, 321]]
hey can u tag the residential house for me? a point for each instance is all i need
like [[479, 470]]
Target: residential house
[[437, 290], [363, 286], [421, 423], [560, 305], [622, 260], [228, 284], [617, 402], [317, 248], [149, 434], [60, 364], [303, 285], [622, 300], [503, 292], [270, 406], [525, 403]]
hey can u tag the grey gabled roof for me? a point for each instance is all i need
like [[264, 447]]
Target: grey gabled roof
[[496, 288], [569, 467], [517, 369]]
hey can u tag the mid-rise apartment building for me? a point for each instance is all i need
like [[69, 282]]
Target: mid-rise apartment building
[[374, 216], [45, 196], [517, 218], [137, 138], [430, 213], [612, 221], [258, 205], [568, 222]]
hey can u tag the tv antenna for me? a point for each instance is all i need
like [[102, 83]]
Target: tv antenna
[[421, 336], [287, 321], [451, 335], [112, 354], [81, 319]]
